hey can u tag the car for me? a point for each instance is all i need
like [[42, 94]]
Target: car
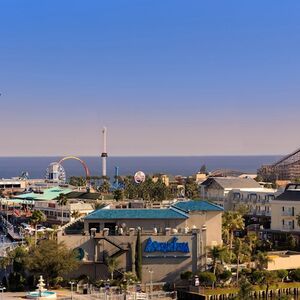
[[40, 228], [27, 228]]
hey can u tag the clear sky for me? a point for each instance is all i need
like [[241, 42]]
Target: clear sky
[[166, 77]]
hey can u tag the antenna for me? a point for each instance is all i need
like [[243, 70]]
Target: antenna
[[104, 153]]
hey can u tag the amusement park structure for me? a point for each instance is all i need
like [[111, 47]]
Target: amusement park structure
[[56, 172], [287, 168], [104, 153]]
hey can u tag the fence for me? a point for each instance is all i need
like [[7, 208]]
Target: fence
[[129, 296]]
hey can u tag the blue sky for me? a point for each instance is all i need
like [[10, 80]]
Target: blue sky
[[166, 77]]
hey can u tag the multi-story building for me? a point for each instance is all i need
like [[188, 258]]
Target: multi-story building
[[56, 213], [257, 201], [217, 188], [285, 209], [172, 240]]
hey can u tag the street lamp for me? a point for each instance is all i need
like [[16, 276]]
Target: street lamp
[[2, 289], [72, 283], [151, 282]]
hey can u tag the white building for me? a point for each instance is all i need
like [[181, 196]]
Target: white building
[[71, 211]]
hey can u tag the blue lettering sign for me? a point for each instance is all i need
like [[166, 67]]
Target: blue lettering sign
[[171, 246]]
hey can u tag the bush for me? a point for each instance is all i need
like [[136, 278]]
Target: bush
[[282, 274], [257, 276], [207, 278], [187, 275]]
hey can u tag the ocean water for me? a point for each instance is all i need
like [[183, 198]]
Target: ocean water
[[175, 165]]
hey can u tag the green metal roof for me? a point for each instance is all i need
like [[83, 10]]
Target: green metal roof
[[197, 205], [170, 213], [47, 194]]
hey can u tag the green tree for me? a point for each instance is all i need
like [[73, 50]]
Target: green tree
[[104, 187], [62, 201], [282, 274], [218, 254], [118, 195], [262, 259], [138, 256], [191, 189], [225, 275], [51, 259], [241, 251], [232, 221], [112, 265], [251, 240], [78, 181], [207, 278], [268, 279], [36, 218], [75, 214], [245, 290]]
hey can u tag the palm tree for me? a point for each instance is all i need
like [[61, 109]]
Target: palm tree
[[217, 253], [75, 214], [232, 221], [241, 250], [112, 264], [262, 260], [62, 201], [36, 218]]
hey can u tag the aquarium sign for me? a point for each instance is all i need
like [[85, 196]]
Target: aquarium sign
[[166, 247]]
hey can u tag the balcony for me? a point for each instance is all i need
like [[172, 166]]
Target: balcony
[[288, 214], [287, 227]]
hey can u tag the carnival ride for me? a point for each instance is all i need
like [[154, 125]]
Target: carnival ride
[[56, 172]]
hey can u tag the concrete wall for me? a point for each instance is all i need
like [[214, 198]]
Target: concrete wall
[[213, 222]]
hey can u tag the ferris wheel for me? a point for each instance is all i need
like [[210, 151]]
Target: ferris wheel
[[55, 173]]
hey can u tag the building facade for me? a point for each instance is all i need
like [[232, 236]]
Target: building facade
[[217, 188], [285, 209], [172, 240]]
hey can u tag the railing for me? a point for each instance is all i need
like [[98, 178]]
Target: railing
[[288, 214], [287, 227]]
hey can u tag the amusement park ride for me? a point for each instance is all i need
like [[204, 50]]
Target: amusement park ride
[[56, 173]]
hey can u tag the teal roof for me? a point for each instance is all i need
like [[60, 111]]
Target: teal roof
[[170, 213], [47, 194], [197, 205]]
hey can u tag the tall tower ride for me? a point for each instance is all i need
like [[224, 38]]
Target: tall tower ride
[[104, 153]]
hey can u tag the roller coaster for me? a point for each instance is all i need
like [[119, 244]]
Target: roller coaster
[[286, 168]]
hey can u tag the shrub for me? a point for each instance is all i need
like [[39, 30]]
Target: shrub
[[187, 275], [282, 274], [207, 278], [257, 276]]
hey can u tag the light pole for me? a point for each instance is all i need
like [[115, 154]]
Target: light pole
[[72, 283], [151, 282], [2, 289]]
